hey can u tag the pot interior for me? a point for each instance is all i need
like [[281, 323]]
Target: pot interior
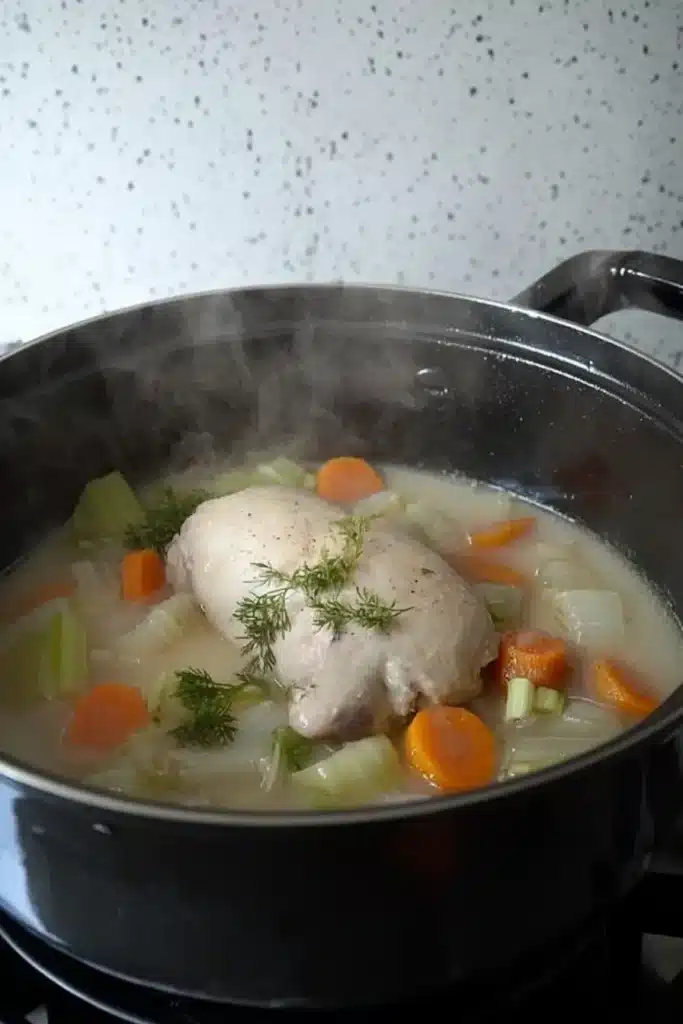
[[579, 424]]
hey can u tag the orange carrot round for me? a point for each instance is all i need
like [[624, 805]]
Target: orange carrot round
[[477, 569], [106, 716], [620, 686], [347, 479], [500, 534], [452, 748], [142, 575], [537, 656]]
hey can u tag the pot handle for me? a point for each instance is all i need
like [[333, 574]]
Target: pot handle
[[592, 284]]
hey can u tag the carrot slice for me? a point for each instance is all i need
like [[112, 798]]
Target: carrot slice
[[142, 574], [24, 604], [537, 656], [476, 569], [452, 748], [500, 534], [106, 716], [347, 479], [620, 686]]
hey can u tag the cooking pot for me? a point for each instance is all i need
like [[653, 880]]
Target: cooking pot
[[327, 909]]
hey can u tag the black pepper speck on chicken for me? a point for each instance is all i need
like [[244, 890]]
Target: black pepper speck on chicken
[[345, 682]]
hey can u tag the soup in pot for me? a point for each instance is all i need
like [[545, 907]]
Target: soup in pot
[[277, 636]]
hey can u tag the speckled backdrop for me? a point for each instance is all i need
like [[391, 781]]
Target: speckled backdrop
[[156, 148]]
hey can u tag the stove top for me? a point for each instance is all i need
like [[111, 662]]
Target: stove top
[[631, 966]]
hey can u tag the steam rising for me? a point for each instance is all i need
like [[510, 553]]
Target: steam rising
[[317, 371], [265, 372]]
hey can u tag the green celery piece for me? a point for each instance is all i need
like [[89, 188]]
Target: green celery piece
[[69, 653], [105, 508], [295, 750], [520, 699], [24, 670], [45, 656], [547, 701]]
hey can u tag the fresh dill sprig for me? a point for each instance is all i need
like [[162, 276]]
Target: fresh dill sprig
[[194, 687], [332, 613], [330, 572], [211, 722], [369, 610], [163, 521], [373, 612], [206, 729], [264, 617], [354, 529]]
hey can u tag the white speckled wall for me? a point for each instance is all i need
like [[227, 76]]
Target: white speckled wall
[[151, 148]]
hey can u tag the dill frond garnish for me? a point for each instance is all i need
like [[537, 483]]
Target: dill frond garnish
[[369, 610], [330, 572], [162, 522], [264, 617], [354, 530], [211, 721]]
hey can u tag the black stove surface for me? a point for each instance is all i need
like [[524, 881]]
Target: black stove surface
[[631, 967]]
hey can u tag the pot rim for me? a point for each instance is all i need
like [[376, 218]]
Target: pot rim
[[662, 721]]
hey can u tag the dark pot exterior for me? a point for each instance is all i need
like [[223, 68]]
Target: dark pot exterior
[[345, 908], [329, 914]]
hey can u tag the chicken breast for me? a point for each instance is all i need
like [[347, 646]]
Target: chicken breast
[[353, 682]]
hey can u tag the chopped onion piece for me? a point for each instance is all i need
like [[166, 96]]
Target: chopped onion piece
[[541, 751], [387, 504], [283, 471], [357, 773], [585, 717], [483, 506], [165, 623], [234, 480], [593, 619], [559, 567], [561, 574], [503, 602], [97, 586], [437, 529], [146, 768], [548, 739], [162, 702]]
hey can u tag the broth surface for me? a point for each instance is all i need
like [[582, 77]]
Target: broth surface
[[555, 557]]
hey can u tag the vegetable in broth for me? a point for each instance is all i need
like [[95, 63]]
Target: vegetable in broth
[[115, 674]]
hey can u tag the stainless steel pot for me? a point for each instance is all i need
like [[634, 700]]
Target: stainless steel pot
[[340, 908]]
